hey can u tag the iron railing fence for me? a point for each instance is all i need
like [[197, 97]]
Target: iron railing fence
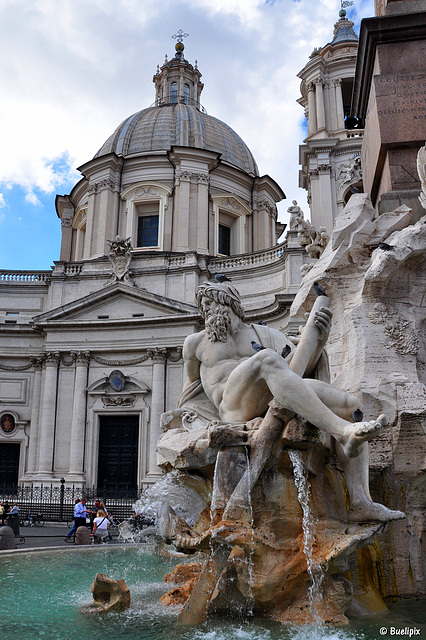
[[56, 504]]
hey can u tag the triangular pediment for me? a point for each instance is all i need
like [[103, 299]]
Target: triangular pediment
[[117, 303]]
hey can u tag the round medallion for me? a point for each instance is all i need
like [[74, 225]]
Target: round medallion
[[7, 423], [117, 380]]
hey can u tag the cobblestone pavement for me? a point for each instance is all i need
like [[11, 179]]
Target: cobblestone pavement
[[52, 534]]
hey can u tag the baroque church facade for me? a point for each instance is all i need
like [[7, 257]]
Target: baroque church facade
[[91, 350]]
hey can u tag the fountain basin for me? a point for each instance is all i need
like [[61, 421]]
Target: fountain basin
[[43, 592]]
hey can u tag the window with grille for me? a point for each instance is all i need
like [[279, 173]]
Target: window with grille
[[148, 231], [148, 224]]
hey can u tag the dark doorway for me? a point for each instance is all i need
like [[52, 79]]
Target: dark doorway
[[118, 455], [9, 464]]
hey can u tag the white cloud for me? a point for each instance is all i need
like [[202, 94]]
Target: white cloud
[[77, 68], [32, 198], [2, 201]]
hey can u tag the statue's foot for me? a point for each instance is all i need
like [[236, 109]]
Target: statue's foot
[[360, 432], [373, 512]]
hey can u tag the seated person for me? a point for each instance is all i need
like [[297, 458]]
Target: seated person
[[100, 526]]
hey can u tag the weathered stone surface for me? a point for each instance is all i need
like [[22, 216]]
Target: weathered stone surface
[[267, 565], [377, 350], [82, 536], [108, 595], [184, 575], [6, 538], [184, 572]]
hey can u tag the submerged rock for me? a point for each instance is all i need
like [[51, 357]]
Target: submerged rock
[[108, 595]]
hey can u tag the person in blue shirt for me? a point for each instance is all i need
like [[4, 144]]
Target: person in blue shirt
[[80, 514]]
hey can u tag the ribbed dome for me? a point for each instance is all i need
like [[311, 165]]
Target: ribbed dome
[[160, 128]]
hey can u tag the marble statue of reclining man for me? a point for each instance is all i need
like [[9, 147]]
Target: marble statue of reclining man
[[239, 383]]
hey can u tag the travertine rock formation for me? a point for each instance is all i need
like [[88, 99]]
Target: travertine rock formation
[[108, 595], [377, 350]]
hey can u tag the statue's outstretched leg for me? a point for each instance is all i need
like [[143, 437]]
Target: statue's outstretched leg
[[362, 508]]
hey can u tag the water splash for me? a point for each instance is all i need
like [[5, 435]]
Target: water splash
[[315, 571], [186, 494], [250, 564]]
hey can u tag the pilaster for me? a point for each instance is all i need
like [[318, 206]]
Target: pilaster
[[78, 422], [319, 95], [158, 357], [35, 418], [312, 122], [48, 416]]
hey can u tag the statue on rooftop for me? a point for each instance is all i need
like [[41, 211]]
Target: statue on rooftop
[[296, 214]]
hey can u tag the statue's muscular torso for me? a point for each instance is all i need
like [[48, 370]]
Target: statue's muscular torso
[[213, 362]]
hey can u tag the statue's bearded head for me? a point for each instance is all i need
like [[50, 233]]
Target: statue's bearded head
[[218, 318]]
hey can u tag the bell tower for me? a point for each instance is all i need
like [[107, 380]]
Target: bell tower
[[331, 153]]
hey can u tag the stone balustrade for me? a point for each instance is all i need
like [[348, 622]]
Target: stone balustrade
[[25, 277], [247, 260], [254, 259]]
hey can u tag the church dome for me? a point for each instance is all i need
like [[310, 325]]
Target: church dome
[[161, 127]]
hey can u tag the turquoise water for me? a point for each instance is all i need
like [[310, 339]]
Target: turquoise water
[[41, 595]]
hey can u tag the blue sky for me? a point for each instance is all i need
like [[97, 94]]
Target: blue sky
[[75, 69]]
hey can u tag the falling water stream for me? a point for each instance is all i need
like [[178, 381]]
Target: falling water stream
[[250, 506], [316, 571]]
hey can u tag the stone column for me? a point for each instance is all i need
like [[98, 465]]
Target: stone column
[[78, 423], [165, 96], [339, 104], [158, 357], [48, 415], [327, 218], [181, 229], [202, 217], [312, 122], [107, 202], [330, 100], [35, 418], [90, 220], [180, 87], [319, 95], [66, 224]]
